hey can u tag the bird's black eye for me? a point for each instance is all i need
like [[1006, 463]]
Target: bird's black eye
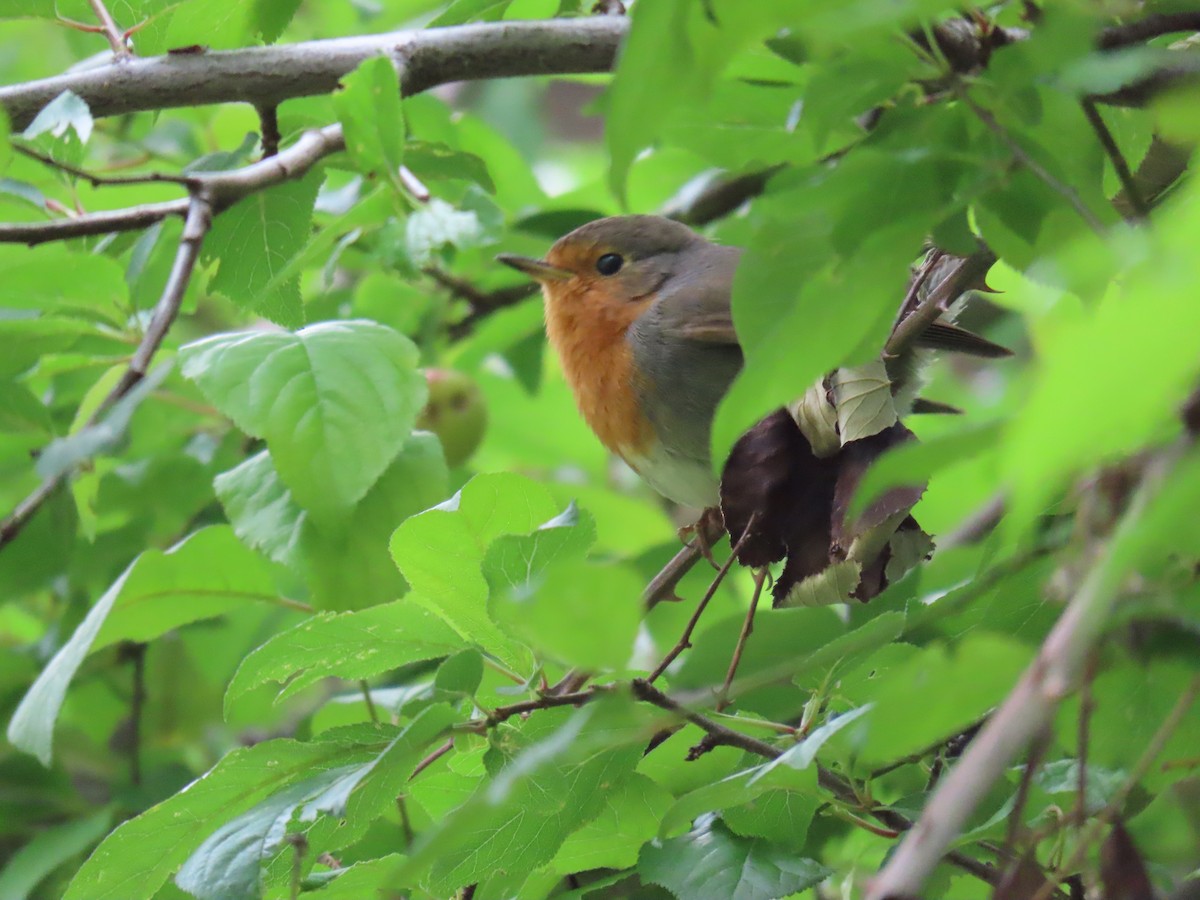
[[609, 264]]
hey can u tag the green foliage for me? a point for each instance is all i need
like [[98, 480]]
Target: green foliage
[[261, 638]]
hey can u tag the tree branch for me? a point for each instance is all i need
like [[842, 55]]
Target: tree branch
[[1025, 712], [266, 76], [1147, 28]]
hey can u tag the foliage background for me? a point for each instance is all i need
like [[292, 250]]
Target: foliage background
[[248, 567]]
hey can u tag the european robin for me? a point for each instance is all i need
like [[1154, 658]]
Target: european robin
[[638, 310]]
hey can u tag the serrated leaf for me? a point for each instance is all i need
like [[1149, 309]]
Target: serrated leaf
[[229, 862], [335, 402], [135, 860], [733, 790], [348, 645], [712, 863], [804, 753], [612, 840], [255, 239], [441, 553], [368, 106], [517, 820], [208, 573], [863, 398]]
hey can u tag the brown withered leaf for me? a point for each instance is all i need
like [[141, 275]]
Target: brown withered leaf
[[854, 460], [773, 475], [1122, 871], [1021, 879]]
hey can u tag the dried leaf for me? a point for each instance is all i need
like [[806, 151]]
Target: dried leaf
[[1122, 870]]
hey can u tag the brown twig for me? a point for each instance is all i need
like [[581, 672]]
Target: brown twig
[[662, 586], [268, 118], [366, 692], [110, 29], [645, 691], [1033, 762], [137, 705], [1130, 191], [723, 699], [685, 639], [1086, 705], [431, 758], [97, 180], [546, 701], [968, 271]]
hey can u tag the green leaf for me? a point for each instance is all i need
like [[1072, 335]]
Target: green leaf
[[646, 58], [711, 862], [205, 575], [256, 239], [368, 106], [862, 396], [916, 461], [369, 878], [348, 645], [62, 128], [441, 553], [741, 787], [347, 564], [54, 279], [50, 849], [516, 822], [335, 402], [432, 161], [1109, 381], [912, 707], [133, 862], [272, 16], [229, 862], [612, 840]]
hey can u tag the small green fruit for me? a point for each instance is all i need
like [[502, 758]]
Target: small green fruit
[[456, 413]]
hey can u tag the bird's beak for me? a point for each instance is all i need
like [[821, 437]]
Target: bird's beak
[[537, 269]]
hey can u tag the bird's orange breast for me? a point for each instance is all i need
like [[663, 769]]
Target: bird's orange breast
[[588, 331]]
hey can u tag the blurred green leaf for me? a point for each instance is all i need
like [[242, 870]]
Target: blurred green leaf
[[205, 575]]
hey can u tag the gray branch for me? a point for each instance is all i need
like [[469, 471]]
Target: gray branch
[[266, 76]]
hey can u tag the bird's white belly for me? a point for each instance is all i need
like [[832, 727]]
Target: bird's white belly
[[684, 480]]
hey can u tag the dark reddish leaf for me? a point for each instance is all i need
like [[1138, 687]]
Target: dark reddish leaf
[[1122, 871], [1021, 879]]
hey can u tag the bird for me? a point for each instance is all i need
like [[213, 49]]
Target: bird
[[638, 310]]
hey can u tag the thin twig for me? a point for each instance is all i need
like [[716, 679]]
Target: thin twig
[[747, 626], [1024, 713], [662, 586], [405, 821], [96, 180], [1133, 196], [1086, 705], [1033, 762], [967, 272], [268, 118], [645, 691], [110, 29], [366, 692], [137, 706], [1115, 804], [685, 639], [132, 218], [433, 757], [577, 698]]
